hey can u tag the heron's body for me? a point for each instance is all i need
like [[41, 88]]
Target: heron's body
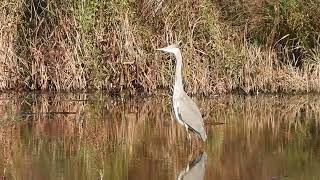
[[185, 110]]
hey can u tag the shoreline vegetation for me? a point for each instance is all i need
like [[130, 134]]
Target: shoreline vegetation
[[249, 46]]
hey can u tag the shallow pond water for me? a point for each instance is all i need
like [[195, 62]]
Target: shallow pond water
[[93, 136]]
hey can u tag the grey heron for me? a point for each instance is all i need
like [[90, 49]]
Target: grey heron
[[185, 109]]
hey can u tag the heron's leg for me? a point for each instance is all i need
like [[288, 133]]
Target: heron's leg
[[187, 169], [186, 126], [188, 134]]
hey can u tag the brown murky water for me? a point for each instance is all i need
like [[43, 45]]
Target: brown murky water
[[92, 136]]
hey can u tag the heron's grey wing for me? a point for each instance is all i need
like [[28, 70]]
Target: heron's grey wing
[[190, 114]]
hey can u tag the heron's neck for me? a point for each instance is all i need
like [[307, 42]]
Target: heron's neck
[[178, 86]]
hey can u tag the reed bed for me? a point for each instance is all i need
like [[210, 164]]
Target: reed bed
[[251, 46], [100, 135]]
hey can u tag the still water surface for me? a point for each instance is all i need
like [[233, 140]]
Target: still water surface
[[93, 136]]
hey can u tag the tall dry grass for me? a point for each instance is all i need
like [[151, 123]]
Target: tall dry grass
[[251, 46]]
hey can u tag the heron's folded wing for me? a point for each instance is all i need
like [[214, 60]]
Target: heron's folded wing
[[190, 114]]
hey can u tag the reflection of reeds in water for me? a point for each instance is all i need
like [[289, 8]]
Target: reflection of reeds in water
[[87, 135], [89, 127], [262, 132]]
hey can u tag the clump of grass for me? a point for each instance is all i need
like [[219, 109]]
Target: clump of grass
[[9, 62], [49, 45]]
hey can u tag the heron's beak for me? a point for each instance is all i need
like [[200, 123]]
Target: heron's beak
[[160, 49]]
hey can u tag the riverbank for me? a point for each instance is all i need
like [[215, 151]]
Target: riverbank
[[250, 46]]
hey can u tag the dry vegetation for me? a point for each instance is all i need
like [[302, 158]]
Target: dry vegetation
[[265, 46]]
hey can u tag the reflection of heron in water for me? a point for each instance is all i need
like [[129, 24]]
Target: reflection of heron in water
[[186, 111], [195, 170]]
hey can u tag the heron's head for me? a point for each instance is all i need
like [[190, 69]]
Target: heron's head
[[173, 48]]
